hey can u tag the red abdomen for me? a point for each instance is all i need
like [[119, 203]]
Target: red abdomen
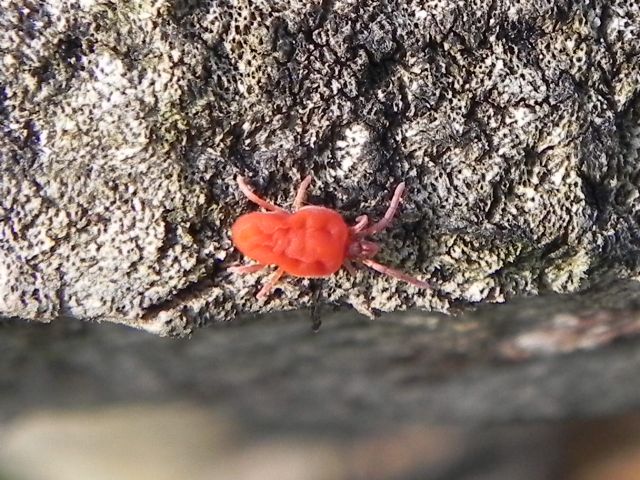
[[311, 242]]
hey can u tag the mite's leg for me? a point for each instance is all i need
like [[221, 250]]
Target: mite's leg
[[388, 216], [302, 193], [392, 272], [349, 267], [275, 278], [244, 188], [361, 222], [246, 268]]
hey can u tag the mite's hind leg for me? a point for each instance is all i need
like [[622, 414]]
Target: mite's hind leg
[[392, 272], [275, 278]]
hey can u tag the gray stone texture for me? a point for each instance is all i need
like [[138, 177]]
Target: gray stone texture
[[124, 124]]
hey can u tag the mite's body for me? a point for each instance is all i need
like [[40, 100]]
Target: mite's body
[[311, 242]]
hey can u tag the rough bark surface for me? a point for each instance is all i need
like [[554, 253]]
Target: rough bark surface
[[124, 125]]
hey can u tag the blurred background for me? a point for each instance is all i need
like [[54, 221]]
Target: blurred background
[[169, 441], [88, 401]]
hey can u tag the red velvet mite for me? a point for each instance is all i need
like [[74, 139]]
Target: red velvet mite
[[310, 242]]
